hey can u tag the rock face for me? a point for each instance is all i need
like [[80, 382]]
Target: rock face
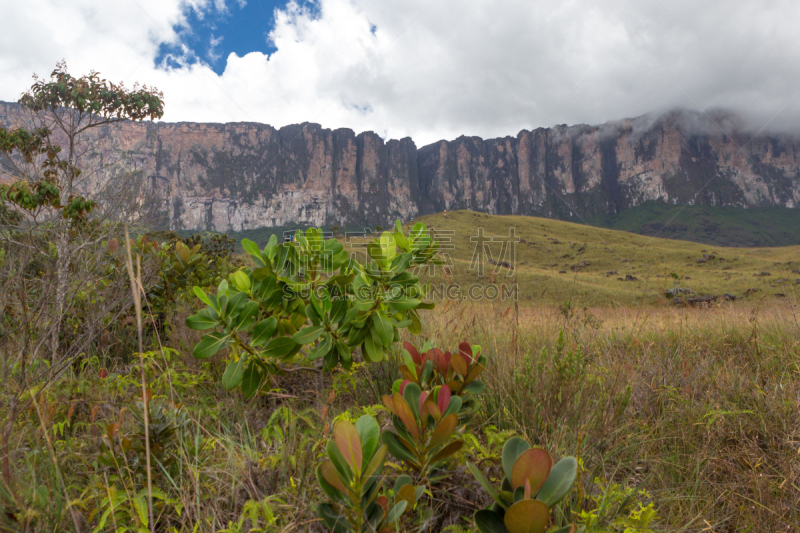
[[231, 177]]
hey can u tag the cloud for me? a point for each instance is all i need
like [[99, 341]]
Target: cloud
[[436, 69]]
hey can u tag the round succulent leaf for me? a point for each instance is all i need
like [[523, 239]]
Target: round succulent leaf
[[559, 482], [527, 516], [512, 449], [532, 465], [349, 443]]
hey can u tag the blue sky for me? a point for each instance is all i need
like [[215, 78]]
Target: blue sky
[[429, 69], [212, 34]]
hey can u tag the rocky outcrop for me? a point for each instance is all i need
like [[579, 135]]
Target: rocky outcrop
[[239, 176]]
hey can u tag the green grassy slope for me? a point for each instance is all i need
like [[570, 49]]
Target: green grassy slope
[[720, 226], [548, 262]]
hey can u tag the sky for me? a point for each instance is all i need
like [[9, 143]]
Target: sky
[[429, 69]]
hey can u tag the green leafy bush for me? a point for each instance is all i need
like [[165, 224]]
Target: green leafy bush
[[310, 293], [531, 487]]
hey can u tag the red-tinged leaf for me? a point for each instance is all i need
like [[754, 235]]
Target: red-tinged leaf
[[466, 352], [405, 414], [403, 385], [455, 386], [443, 399], [459, 364], [527, 516], [389, 403], [447, 451], [349, 443], [330, 475], [442, 360], [406, 373], [383, 501], [474, 372], [103, 373], [533, 465], [413, 352], [422, 397], [444, 429]]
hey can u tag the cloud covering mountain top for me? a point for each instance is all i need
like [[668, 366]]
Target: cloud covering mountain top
[[430, 69]]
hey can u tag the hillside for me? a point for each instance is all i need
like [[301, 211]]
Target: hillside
[[562, 261], [713, 225]]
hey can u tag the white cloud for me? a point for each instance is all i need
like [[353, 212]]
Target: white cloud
[[409, 67]]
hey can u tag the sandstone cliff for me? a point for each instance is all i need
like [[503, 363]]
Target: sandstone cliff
[[239, 176]]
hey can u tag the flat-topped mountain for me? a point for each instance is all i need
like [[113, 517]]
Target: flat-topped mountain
[[239, 176]]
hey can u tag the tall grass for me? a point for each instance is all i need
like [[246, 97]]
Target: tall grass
[[699, 407]]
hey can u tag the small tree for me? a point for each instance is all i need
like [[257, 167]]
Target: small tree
[[61, 280]]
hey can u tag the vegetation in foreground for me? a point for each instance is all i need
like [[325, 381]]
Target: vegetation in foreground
[[285, 401]]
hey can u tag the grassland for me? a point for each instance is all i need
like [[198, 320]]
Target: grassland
[[558, 261], [693, 410], [713, 225]]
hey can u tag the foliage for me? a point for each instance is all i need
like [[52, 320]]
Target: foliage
[[351, 478], [424, 424], [617, 509], [264, 313], [458, 371], [532, 485]]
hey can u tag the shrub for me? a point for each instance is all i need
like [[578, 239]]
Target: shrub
[[531, 487]]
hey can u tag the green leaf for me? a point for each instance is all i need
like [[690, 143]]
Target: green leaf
[[332, 519], [322, 348], [396, 512], [559, 482], [251, 248], [209, 345], [201, 321], [396, 448], [487, 486], [200, 293], [240, 280], [246, 317], [490, 522], [371, 352], [308, 335], [264, 331], [280, 348], [233, 373], [512, 449], [370, 433], [403, 303], [383, 327], [254, 376]]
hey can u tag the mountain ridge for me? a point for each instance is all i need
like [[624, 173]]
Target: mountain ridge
[[247, 175]]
